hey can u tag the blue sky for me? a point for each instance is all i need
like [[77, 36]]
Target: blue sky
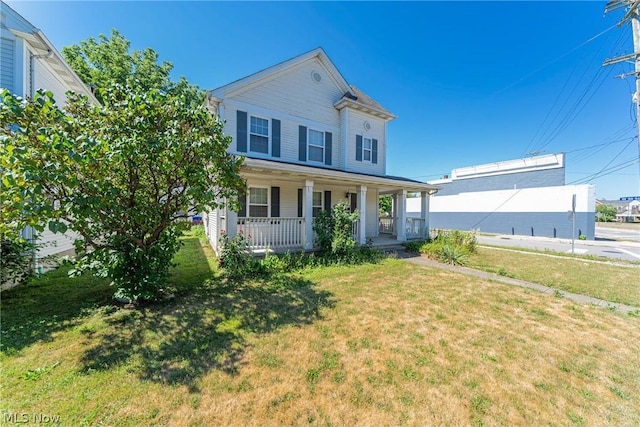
[[470, 82]]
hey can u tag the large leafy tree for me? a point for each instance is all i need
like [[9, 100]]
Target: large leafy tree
[[121, 174], [605, 213]]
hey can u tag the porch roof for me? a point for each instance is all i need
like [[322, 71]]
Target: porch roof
[[384, 184]]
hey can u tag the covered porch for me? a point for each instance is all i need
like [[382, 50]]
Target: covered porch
[[282, 200]]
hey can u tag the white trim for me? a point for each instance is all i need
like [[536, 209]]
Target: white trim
[[370, 150], [255, 110], [321, 205], [275, 169], [271, 72], [248, 200], [382, 149], [308, 214], [268, 136], [344, 115], [551, 161], [324, 147]]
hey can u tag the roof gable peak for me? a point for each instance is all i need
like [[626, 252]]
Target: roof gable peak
[[318, 53]]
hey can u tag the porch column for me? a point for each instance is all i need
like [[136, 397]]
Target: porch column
[[401, 227], [362, 207], [232, 222], [424, 212], [307, 242]]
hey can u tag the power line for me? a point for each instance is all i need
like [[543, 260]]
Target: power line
[[612, 169], [537, 70]]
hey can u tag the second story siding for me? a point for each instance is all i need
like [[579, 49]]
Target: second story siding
[[303, 111]]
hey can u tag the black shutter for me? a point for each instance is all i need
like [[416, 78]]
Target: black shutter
[[275, 202], [374, 151], [241, 127], [359, 148], [299, 202], [327, 147], [327, 200], [354, 202], [243, 205], [302, 143], [275, 138]]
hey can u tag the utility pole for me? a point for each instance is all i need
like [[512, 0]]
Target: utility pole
[[631, 15]]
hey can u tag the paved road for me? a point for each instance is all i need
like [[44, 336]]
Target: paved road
[[631, 235], [629, 251]]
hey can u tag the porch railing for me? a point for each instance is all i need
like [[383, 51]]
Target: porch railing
[[415, 228], [387, 226], [272, 233], [355, 230]]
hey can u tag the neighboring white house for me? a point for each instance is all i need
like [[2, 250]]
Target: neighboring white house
[[518, 197], [310, 140], [28, 62], [627, 208]]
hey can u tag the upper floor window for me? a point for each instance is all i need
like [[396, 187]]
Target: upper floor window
[[366, 149], [316, 146], [259, 135], [258, 202]]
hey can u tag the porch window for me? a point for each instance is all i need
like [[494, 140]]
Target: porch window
[[259, 135], [316, 146], [366, 149], [258, 202], [317, 203]]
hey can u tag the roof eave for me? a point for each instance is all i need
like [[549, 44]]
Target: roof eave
[[54, 59], [346, 102], [390, 183]]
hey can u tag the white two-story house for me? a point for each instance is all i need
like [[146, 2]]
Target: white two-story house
[[310, 140], [28, 62]]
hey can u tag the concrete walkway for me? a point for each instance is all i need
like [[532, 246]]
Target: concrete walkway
[[401, 253]]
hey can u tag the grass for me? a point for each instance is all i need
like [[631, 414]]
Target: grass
[[385, 344], [609, 282]]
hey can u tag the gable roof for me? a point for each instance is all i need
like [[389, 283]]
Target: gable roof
[[353, 97], [317, 53], [23, 29]]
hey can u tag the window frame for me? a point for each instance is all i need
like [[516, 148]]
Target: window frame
[[315, 209], [310, 145], [250, 133], [366, 150], [250, 204]]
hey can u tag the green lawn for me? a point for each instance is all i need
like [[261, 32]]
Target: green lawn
[[615, 283], [384, 344]]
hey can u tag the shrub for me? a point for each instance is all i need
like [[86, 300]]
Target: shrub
[[15, 261], [334, 230], [236, 258], [449, 246], [454, 255]]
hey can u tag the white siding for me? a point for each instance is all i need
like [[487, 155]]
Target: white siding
[[44, 78], [294, 92], [295, 99], [55, 243], [7, 66], [377, 131]]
